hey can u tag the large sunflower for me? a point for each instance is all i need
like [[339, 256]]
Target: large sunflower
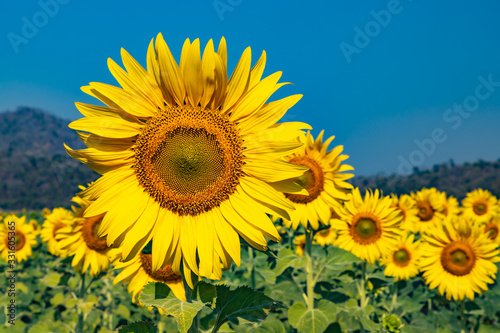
[[81, 240], [187, 158], [408, 209], [367, 228], [402, 263], [138, 273], [430, 209], [54, 221], [17, 237], [480, 205], [458, 259], [323, 181]]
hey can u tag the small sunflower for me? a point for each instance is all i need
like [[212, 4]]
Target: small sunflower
[[300, 244], [324, 181], [17, 237], [449, 205], [430, 206], [367, 228], [480, 205], [403, 262], [325, 237], [492, 229], [458, 259], [81, 240], [54, 221], [188, 159], [138, 273], [408, 209]]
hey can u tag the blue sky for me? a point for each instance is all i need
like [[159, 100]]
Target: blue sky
[[392, 80]]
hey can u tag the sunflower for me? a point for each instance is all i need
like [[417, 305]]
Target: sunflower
[[492, 229], [430, 209], [403, 262], [458, 259], [449, 205], [367, 228], [325, 237], [81, 240], [300, 244], [408, 209], [324, 181], [17, 237], [188, 158], [481, 205], [138, 273], [54, 221]]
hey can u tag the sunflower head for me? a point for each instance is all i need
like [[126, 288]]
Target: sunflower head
[[324, 181], [402, 263], [481, 205], [458, 263], [300, 244], [54, 222], [429, 204], [369, 227], [189, 159], [21, 242]]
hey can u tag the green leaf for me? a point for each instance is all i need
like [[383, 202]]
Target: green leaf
[[51, 279], [243, 302], [338, 259], [139, 327], [288, 258], [123, 312], [159, 295], [57, 299], [206, 292], [315, 320]]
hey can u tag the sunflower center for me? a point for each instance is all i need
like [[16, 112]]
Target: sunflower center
[[425, 211], [324, 232], [480, 208], [165, 274], [458, 258], [365, 228], [20, 240], [89, 233], [401, 257], [492, 231], [312, 180], [57, 227], [189, 159]]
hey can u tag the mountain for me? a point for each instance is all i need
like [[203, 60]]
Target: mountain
[[455, 180], [35, 170]]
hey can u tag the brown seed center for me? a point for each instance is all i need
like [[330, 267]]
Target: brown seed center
[[165, 274], [365, 228], [480, 208], [89, 232], [458, 258], [312, 180], [402, 257], [492, 230], [189, 159], [425, 211], [20, 240]]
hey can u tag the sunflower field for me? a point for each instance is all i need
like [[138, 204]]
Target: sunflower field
[[211, 215]]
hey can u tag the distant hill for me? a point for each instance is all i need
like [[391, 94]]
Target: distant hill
[[36, 172], [455, 180]]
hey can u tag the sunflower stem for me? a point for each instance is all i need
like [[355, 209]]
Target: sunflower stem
[[394, 294], [362, 287], [252, 269], [309, 270], [79, 325], [462, 316]]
